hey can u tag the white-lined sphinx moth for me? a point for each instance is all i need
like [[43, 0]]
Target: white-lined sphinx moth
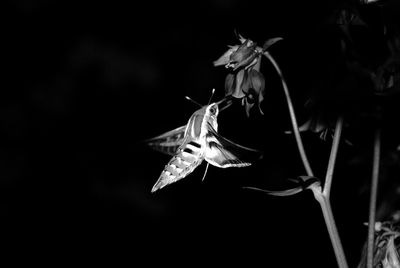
[[198, 140]]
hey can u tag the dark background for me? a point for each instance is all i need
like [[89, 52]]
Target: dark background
[[85, 81]]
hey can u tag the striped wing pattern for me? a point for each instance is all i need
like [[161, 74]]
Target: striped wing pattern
[[223, 153], [189, 145], [168, 142]]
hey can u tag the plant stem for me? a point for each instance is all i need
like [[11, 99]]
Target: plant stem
[[292, 117], [373, 197], [332, 158], [322, 199], [331, 226]]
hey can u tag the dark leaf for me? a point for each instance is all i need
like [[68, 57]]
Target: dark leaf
[[303, 182]]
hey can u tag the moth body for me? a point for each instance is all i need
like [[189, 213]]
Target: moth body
[[197, 141]]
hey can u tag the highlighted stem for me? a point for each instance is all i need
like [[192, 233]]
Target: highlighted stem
[[292, 117], [319, 196], [373, 197], [326, 208], [332, 158]]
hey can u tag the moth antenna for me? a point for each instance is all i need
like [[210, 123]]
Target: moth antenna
[[205, 172], [212, 94], [195, 102]]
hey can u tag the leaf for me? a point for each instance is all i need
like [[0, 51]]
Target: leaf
[[288, 192], [385, 249], [304, 182], [392, 259]]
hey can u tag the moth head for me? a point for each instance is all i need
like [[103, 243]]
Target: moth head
[[212, 110]]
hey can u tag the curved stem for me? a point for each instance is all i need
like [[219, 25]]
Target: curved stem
[[322, 199], [332, 158], [373, 197], [292, 117]]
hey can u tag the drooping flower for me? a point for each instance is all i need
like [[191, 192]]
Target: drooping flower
[[254, 89], [245, 81], [240, 56]]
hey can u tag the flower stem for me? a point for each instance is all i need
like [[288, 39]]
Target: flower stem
[[292, 117], [332, 158], [331, 226], [323, 199], [373, 197]]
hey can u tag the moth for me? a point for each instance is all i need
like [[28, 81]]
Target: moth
[[196, 141]]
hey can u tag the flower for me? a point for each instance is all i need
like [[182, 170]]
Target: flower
[[254, 89], [244, 55], [245, 81]]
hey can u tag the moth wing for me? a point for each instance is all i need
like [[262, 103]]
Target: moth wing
[[223, 153], [168, 142]]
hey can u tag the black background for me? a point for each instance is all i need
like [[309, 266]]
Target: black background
[[85, 81]]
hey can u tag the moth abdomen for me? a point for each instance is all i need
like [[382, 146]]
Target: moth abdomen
[[188, 150], [195, 144], [178, 168]]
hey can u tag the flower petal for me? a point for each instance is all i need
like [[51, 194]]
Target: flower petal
[[244, 55], [248, 107], [253, 88], [229, 84], [233, 84], [258, 82], [241, 39], [225, 58], [238, 93], [260, 99]]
